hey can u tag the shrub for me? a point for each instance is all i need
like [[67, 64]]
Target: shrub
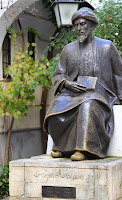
[[4, 181]]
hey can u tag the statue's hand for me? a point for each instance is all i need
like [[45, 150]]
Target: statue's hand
[[73, 86]]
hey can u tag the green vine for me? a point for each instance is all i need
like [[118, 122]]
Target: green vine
[[4, 181], [32, 30]]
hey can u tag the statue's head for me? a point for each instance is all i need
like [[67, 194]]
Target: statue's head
[[85, 22]]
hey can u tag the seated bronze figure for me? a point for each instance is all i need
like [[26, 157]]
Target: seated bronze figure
[[88, 82]]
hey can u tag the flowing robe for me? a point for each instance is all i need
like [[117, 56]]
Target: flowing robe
[[84, 121]]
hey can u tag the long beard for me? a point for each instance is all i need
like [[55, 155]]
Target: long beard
[[82, 38]]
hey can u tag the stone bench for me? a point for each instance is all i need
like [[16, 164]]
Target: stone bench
[[115, 147]]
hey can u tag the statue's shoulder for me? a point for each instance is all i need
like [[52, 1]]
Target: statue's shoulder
[[103, 42], [71, 46]]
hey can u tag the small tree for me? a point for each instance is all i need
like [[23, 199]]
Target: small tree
[[17, 95]]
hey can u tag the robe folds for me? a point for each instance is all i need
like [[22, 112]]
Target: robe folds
[[84, 120]]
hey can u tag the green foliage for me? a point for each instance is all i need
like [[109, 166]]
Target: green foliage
[[53, 63], [110, 22], [4, 181], [35, 33], [13, 35], [62, 38], [26, 74]]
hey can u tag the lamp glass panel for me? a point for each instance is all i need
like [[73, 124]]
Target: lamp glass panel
[[57, 14], [66, 12]]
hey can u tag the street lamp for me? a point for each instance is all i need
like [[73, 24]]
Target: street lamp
[[64, 9]]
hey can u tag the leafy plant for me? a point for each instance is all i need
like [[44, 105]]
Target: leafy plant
[[35, 33], [62, 38], [110, 22], [18, 94], [4, 181]]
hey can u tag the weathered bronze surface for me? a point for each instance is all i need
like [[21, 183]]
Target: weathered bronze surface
[[59, 192], [88, 82]]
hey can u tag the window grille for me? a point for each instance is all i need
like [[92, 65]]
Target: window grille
[[6, 54], [31, 39]]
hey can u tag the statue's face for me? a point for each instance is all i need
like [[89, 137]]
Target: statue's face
[[83, 28]]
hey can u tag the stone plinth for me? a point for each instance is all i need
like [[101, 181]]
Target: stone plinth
[[92, 179]]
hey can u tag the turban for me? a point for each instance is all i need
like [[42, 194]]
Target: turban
[[85, 13]]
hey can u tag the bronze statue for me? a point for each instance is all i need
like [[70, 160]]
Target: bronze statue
[[88, 81]]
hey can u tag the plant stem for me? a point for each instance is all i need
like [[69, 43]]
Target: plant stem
[[0, 150], [8, 140]]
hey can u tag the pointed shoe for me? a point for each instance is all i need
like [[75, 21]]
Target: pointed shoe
[[77, 156], [56, 154]]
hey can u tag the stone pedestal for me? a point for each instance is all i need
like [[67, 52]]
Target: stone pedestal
[[85, 180]]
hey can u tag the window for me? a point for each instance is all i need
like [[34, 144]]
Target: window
[[6, 54], [31, 39]]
